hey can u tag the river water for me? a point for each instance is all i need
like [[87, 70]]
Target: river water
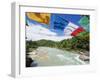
[[46, 56]]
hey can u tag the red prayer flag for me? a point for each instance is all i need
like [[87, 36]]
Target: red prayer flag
[[77, 31]]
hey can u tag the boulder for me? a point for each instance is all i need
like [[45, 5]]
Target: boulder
[[28, 61], [84, 57], [34, 64]]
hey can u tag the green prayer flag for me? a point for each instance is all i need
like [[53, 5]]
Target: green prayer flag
[[84, 22]]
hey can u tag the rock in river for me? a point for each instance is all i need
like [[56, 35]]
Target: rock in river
[[84, 57]]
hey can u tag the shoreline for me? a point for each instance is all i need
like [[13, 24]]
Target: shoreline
[[42, 56]]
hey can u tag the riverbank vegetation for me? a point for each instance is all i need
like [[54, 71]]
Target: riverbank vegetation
[[79, 43]]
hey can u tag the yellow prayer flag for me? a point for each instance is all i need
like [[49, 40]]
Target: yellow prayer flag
[[39, 17]]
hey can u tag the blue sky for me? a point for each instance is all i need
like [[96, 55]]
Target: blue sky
[[58, 22]]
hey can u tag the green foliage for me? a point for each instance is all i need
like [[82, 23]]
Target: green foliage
[[80, 42]]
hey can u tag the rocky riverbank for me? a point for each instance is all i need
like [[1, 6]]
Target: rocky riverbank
[[45, 56]]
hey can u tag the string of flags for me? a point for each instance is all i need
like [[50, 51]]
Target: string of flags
[[68, 24]]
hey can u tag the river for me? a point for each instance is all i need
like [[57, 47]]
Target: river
[[46, 56]]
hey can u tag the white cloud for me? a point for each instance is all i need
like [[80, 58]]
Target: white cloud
[[38, 32]]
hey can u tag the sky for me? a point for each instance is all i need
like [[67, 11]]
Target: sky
[[51, 24]]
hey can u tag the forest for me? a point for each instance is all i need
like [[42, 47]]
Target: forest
[[78, 43]]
